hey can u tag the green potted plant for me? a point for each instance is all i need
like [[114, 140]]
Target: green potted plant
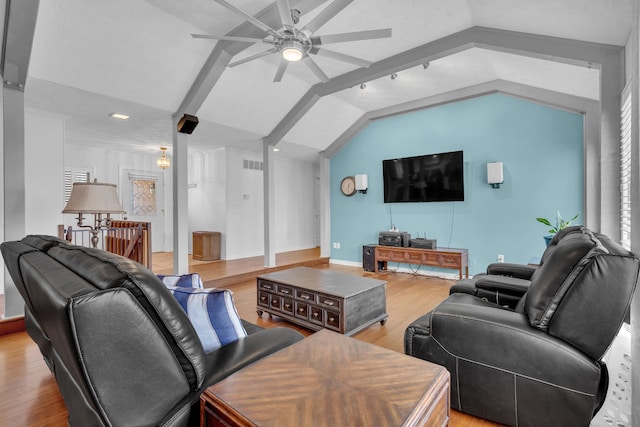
[[561, 223]]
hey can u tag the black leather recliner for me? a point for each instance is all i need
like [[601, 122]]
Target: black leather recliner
[[505, 283], [121, 348], [540, 364]]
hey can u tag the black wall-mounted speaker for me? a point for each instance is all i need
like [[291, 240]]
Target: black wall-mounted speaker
[[187, 124], [369, 257]]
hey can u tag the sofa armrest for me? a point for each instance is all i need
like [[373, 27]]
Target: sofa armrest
[[234, 356], [506, 284], [520, 271]]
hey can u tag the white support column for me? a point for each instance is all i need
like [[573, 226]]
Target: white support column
[[325, 207], [269, 205], [14, 186], [180, 201]]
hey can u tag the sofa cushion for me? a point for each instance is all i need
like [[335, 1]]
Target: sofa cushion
[[212, 314], [192, 280]]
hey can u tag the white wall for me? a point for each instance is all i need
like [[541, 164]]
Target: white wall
[[296, 205], [227, 198], [44, 180], [207, 195], [44, 148]]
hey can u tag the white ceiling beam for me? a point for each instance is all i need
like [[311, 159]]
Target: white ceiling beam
[[573, 52], [19, 29]]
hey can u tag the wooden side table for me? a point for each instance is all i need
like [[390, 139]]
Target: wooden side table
[[206, 245]]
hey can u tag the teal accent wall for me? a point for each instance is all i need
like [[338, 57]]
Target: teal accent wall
[[543, 154]]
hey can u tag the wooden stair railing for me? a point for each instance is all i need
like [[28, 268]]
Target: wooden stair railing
[[131, 239]]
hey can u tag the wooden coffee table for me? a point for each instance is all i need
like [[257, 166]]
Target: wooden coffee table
[[318, 299], [328, 379]]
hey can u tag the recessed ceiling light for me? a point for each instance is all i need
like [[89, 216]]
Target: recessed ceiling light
[[276, 149], [119, 116]]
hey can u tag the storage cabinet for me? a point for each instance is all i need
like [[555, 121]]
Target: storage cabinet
[[206, 245]]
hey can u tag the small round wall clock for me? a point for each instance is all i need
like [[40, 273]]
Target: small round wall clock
[[348, 186]]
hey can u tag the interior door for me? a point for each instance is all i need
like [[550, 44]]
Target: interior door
[[143, 200]]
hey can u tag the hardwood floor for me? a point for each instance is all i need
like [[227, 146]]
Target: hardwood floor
[[29, 395]]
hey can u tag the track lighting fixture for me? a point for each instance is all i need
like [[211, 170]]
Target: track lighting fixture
[[425, 65], [394, 76], [362, 85]]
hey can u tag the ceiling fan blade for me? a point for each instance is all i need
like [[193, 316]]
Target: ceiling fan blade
[[285, 13], [341, 57], [316, 70], [350, 37], [248, 17], [329, 12], [252, 57], [281, 69], [228, 38]]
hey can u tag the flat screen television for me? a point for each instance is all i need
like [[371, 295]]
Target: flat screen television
[[428, 178]]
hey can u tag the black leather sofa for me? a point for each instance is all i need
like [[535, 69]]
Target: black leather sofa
[[541, 363], [121, 348]]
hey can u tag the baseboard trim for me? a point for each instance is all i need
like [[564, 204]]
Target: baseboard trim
[[12, 325]]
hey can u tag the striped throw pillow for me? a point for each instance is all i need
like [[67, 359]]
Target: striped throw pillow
[[192, 280], [212, 314]]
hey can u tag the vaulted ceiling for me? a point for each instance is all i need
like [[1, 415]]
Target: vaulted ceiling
[[94, 57]]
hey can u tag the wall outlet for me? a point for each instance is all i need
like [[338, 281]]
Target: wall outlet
[[500, 258], [336, 245]]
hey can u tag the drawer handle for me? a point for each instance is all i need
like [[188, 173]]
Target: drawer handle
[[305, 296], [267, 286], [287, 306], [316, 314], [327, 302], [301, 310], [285, 291], [263, 298], [332, 319]]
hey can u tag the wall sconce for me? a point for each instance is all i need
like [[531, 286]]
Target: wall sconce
[[96, 199], [361, 183], [163, 161], [495, 176]]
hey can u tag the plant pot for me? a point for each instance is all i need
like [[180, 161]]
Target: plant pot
[[547, 239]]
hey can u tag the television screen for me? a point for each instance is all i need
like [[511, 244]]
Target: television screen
[[429, 178]]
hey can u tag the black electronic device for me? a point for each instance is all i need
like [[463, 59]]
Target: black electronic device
[[187, 124], [429, 178], [421, 243], [394, 238], [369, 258]]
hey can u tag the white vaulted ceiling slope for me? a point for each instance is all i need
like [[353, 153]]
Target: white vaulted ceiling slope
[[93, 57]]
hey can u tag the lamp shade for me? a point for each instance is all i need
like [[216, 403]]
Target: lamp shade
[[93, 198]]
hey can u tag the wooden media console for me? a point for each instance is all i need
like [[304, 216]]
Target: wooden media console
[[453, 258]]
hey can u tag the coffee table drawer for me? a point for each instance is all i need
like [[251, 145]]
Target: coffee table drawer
[[287, 305], [333, 321], [305, 295], [263, 298], [316, 315], [302, 310], [266, 285], [275, 301], [329, 302], [285, 290]]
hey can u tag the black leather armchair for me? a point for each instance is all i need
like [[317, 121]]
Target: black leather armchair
[[540, 364], [506, 283]]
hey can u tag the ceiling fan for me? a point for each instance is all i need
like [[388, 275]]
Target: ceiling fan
[[297, 44]]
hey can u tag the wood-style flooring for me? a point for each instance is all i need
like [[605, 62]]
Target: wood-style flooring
[[29, 395]]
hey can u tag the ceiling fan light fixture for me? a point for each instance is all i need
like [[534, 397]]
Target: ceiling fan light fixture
[[394, 76], [363, 85], [292, 50]]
